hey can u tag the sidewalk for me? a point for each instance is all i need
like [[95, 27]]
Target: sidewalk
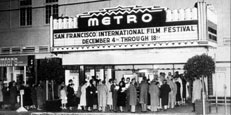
[[182, 110]]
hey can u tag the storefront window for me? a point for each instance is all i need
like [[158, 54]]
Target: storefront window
[[123, 71], [103, 73]]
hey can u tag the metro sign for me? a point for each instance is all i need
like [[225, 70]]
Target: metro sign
[[122, 18]]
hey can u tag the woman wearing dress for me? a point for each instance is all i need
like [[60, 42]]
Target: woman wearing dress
[[109, 97], [102, 95], [83, 102], [63, 97]]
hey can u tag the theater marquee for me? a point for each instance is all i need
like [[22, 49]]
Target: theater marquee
[[125, 25], [138, 35]]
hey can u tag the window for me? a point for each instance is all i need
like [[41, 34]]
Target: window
[[51, 1], [25, 12], [51, 10], [25, 2]]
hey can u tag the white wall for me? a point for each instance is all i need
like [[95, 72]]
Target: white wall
[[142, 56]]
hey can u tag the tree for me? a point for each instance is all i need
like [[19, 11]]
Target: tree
[[199, 66], [51, 70]]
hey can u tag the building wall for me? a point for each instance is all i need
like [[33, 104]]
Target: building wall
[[38, 33], [13, 35]]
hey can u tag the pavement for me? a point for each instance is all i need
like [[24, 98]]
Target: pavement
[[181, 110]]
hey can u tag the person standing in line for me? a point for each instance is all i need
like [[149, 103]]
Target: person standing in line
[[95, 95], [184, 93], [59, 88], [70, 95], [179, 86], [1, 94], [171, 103], [90, 96], [121, 99], [165, 89], [127, 84], [196, 93], [102, 95], [109, 97], [83, 100], [114, 94], [6, 96], [144, 94], [154, 94], [43, 86], [63, 97], [13, 95], [132, 95], [34, 96], [178, 94], [78, 95], [174, 92], [27, 101], [40, 93]]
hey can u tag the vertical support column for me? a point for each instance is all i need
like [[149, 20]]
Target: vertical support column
[[51, 32], [101, 74], [24, 75], [203, 94], [81, 74], [35, 70], [109, 74], [13, 76], [202, 20], [47, 88], [1, 73]]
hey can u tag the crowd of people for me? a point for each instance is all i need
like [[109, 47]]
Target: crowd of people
[[160, 93], [34, 95]]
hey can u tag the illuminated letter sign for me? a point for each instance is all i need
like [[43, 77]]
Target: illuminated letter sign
[[122, 18]]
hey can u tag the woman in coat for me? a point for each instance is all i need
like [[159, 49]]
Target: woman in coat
[[178, 94], [34, 96], [144, 94], [40, 94], [121, 96], [196, 93], [114, 95], [102, 95], [164, 89], [6, 95], [13, 95], [154, 95], [90, 95], [70, 96], [27, 101], [132, 95], [83, 100]]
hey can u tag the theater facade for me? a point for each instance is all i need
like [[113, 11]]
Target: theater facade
[[133, 41]]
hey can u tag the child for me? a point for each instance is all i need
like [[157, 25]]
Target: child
[[63, 97]]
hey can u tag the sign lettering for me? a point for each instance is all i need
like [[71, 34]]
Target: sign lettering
[[13, 61], [122, 19], [136, 35]]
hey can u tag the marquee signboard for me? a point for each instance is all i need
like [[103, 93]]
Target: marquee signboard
[[125, 25], [137, 35]]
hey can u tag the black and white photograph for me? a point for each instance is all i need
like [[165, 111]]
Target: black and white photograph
[[108, 57]]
